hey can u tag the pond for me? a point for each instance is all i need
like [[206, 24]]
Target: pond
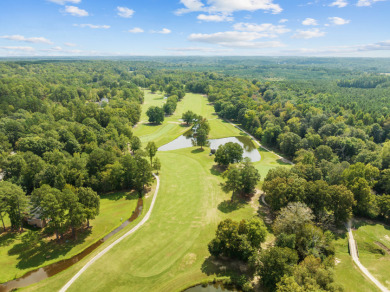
[[40, 274], [185, 141]]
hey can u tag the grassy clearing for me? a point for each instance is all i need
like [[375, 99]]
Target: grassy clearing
[[15, 260], [169, 253], [373, 241], [347, 274]]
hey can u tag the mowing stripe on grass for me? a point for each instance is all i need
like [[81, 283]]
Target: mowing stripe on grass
[[104, 251]]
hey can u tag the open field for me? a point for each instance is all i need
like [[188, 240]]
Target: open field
[[16, 259], [373, 241], [169, 253]]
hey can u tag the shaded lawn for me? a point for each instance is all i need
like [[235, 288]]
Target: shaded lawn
[[17, 258]]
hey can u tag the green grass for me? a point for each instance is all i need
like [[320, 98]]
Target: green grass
[[169, 253], [15, 261], [347, 274], [371, 254]]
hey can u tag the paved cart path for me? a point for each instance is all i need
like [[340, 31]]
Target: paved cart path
[[104, 251], [355, 257]]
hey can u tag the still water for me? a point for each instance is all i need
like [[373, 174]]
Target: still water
[[185, 141]]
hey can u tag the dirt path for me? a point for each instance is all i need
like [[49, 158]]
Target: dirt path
[[355, 257], [104, 251], [258, 143]]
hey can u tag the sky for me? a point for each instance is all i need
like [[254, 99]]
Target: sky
[[344, 28]]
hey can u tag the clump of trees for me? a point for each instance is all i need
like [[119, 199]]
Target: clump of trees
[[202, 130], [228, 153], [155, 114], [238, 240], [241, 178]]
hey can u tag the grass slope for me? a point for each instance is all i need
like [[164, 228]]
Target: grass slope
[[373, 241], [169, 253], [15, 261], [347, 274]]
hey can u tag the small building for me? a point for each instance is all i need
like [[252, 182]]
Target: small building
[[34, 218]]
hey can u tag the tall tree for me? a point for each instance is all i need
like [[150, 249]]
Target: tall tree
[[151, 150], [16, 201], [90, 201]]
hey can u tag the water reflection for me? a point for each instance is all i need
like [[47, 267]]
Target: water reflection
[[185, 141]]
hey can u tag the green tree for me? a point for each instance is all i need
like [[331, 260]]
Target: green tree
[[155, 114], [16, 201], [50, 203], [241, 178], [275, 263], [90, 201], [200, 138], [229, 153], [157, 165], [289, 143], [151, 150], [188, 117], [135, 143]]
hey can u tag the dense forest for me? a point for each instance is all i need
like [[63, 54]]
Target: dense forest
[[66, 135]]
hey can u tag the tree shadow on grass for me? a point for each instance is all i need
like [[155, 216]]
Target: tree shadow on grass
[[217, 170], [33, 254], [223, 267], [237, 202], [198, 150], [7, 238]]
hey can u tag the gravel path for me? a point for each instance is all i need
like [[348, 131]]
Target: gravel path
[[355, 257], [104, 251]]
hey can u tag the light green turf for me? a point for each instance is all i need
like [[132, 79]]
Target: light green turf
[[173, 127], [373, 256], [347, 274], [169, 253], [113, 207]]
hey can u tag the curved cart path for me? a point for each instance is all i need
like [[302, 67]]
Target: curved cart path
[[355, 257], [104, 251]]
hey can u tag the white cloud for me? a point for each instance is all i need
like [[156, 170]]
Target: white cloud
[[20, 38], [362, 3], [125, 12], [215, 17], [70, 44], [310, 21], [75, 11], [268, 28], [308, 34], [92, 26], [343, 50], [338, 20], [15, 48], [136, 30], [238, 39], [229, 6], [284, 20], [63, 2], [339, 3], [163, 31]]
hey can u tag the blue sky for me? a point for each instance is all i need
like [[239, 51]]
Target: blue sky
[[195, 27]]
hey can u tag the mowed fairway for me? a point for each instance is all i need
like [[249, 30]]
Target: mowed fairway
[[169, 252], [15, 261]]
